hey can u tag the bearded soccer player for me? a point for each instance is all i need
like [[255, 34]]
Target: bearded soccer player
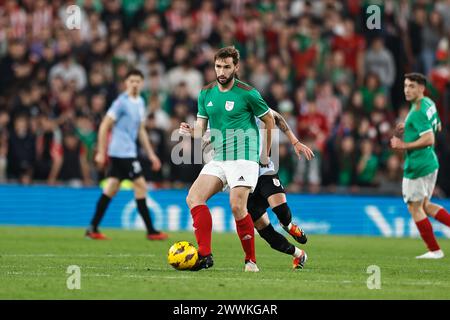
[[421, 163], [126, 118], [230, 106]]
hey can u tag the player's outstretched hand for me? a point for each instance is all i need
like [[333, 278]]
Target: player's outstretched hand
[[397, 143], [186, 129], [100, 160], [156, 163], [301, 148]]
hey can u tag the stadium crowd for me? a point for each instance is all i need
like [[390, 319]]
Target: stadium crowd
[[338, 83]]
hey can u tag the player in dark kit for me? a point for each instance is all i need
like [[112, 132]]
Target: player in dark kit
[[126, 118], [269, 192]]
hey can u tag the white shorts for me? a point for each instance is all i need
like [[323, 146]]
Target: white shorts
[[415, 190], [234, 173]]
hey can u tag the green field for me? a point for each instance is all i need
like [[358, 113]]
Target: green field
[[34, 261]]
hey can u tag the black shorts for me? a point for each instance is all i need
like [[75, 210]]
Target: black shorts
[[124, 168], [257, 201]]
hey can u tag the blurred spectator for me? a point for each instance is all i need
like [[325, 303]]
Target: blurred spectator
[[184, 72], [352, 45], [69, 162], [180, 95], [346, 162], [4, 120], [379, 60], [415, 36], [21, 151], [339, 72], [431, 35], [356, 105], [69, 71], [86, 132], [260, 77], [158, 141], [313, 129], [390, 181], [367, 166], [328, 104], [47, 136], [14, 67], [369, 90]]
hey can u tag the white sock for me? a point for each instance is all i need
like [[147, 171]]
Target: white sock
[[297, 253]]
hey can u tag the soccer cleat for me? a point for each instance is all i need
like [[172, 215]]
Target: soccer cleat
[[96, 235], [297, 233], [157, 236], [250, 266], [299, 262], [438, 254], [203, 262]]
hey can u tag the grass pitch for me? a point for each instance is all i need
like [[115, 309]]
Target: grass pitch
[[34, 262]]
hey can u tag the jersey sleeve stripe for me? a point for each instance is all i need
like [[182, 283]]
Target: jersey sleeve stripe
[[200, 116], [263, 114], [426, 131]]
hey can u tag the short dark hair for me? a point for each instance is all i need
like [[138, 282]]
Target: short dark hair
[[227, 52], [134, 72], [416, 77]]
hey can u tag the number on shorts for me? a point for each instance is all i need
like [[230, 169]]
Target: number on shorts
[[136, 167]]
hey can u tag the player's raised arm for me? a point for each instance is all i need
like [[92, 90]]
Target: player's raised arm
[[144, 140], [298, 146]]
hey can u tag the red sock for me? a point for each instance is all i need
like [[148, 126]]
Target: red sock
[[202, 228], [443, 217], [426, 232], [246, 233]]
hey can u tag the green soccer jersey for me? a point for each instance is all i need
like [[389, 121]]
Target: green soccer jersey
[[422, 118], [231, 116]]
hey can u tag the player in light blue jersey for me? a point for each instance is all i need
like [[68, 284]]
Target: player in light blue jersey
[[125, 118]]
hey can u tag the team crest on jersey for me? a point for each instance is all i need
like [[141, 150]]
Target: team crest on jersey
[[229, 105], [276, 182]]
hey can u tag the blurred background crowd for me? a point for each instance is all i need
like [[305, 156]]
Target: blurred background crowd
[[338, 83]]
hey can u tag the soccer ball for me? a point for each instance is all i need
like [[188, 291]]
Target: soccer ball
[[182, 255]]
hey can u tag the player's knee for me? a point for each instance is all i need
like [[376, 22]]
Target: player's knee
[[189, 201], [260, 224], [140, 190], [111, 189], [283, 213], [109, 192], [238, 208], [193, 200], [140, 193], [428, 207]]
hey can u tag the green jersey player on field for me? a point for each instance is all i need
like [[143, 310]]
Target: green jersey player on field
[[421, 163], [230, 106]]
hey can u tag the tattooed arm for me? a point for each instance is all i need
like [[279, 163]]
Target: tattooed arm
[[299, 147]]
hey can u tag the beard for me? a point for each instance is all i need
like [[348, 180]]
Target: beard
[[226, 80]]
